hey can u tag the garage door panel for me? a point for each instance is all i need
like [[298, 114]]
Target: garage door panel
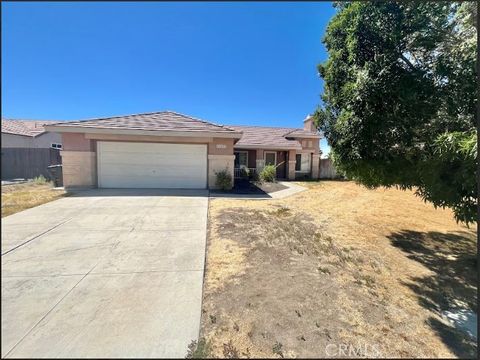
[[126, 171], [151, 165]]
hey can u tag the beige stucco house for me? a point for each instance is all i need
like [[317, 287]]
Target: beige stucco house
[[171, 150]]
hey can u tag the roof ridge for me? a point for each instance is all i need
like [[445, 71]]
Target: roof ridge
[[268, 127], [198, 119], [153, 113], [118, 116]]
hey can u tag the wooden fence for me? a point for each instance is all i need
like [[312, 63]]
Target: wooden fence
[[28, 163], [327, 169]]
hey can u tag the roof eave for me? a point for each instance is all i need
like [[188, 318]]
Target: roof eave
[[12, 133], [92, 130]]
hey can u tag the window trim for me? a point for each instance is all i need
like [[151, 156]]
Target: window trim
[[241, 151], [265, 157]]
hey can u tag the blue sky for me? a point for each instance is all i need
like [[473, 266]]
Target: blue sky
[[230, 63]]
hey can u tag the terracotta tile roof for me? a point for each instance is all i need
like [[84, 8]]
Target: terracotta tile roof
[[156, 121], [270, 137], [25, 127]]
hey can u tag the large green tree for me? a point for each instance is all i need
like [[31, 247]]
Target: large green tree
[[400, 97]]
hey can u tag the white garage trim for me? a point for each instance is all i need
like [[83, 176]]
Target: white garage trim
[[151, 165]]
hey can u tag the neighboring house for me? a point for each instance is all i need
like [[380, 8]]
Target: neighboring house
[[170, 150], [27, 148]]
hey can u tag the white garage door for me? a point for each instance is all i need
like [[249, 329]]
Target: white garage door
[[151, 165]]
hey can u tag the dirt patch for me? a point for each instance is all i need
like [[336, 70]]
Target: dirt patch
[[282, 281], [20, 197]]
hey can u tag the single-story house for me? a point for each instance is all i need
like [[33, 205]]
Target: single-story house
[[27, 148], [171, 150]]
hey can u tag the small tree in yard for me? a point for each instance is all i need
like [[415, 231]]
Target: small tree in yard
[[400, 97]]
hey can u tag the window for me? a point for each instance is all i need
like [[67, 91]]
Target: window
[[309, 143], [56, 146], [270, 158], [302, 162], [241, 159], [298, 162]]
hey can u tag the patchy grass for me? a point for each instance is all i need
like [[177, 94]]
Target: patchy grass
[[20, 197], [337, 264]]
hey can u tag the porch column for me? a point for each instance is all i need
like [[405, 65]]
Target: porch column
[[260, 161], [291, 164], [315, 166]]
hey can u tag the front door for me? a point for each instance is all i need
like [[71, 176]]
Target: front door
[[281, 164]]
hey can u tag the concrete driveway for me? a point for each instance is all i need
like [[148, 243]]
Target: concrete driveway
[[104, 273]]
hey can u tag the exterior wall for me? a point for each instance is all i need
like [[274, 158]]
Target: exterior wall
[[43, 141], [220, 157], [308, 124], [315, 166], [79, 169], [312, 146], [76, 142], [219, 146], [218, 163], [79, 155], [291, 165]]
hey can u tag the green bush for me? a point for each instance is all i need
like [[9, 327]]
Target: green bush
[[40, 180], [268, 173], [224, 180]]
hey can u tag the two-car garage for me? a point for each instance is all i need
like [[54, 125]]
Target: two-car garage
[[159, 150], [151, 165]]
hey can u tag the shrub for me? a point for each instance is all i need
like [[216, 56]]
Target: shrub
[[268, 173], [40, 180], [224, 180]]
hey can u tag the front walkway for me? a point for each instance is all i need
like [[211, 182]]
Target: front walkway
[[292, 189], [104, 273]]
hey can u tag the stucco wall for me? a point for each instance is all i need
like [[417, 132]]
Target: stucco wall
[[79, 169], [76, 142], [217, 163], [310, 144], [42, 141], [220, 146]]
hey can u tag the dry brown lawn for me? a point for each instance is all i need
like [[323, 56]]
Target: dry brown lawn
[[370, 270], [20, 197]]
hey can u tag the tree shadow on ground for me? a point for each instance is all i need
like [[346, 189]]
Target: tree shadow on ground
[[452, 257]]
